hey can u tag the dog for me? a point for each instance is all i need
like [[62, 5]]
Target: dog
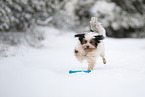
[[91, 44]]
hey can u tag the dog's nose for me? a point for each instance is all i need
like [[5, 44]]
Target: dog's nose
[[87, 47]]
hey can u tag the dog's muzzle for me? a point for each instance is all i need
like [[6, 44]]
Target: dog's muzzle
[[87, 47]]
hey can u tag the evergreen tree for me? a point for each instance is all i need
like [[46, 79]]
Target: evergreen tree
[[17, 15], [121, 19]]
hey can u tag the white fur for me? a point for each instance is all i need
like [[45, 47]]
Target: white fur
[[99, 51], [96, 26], [90, 35]]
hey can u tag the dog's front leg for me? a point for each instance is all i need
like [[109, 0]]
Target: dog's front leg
[[91, 64], [76, 52], [79, 54]]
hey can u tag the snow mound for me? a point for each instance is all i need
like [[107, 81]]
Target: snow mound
[[45, 72]]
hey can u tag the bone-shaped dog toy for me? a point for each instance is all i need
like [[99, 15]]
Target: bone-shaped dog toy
[[88, 71]]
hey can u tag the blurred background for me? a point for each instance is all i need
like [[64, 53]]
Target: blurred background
[[121, 18]]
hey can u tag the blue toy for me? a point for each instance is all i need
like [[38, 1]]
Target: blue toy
[[88, 71]]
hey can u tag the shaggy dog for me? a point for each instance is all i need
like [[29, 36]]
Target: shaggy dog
[[91, 44]]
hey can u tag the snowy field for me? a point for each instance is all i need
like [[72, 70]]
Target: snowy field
[[43, 72]]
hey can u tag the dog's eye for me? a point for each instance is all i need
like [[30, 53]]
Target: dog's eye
[[84, 41], [92, 41]]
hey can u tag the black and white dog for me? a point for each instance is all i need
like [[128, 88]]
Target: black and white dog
[[91, 44]]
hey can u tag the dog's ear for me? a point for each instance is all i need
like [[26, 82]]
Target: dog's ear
[[80, 35], [99, 37]]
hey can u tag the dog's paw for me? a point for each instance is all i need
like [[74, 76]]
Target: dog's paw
[[104, 61], [76, 52], [89, 68]]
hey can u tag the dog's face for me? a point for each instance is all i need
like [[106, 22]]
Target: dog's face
[[89, 41]]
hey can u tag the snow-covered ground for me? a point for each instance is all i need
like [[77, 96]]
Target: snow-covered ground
[[43, 72]]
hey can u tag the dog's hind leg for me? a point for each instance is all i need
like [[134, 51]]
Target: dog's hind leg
[[104, 60]]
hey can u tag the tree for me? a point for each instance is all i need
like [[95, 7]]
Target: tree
[[18, 15], [121, 18]]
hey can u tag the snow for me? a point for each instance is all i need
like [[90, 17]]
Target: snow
[[43, 72]]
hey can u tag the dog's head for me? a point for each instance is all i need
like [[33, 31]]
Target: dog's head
[[89, 41]]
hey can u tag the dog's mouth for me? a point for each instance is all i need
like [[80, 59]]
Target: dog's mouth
[[88, 49]]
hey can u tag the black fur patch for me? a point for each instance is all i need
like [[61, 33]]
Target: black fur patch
[[91, 30], [76, 51], [81, 37], [97, 39]]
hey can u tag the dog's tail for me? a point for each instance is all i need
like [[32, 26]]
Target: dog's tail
[[96, 26]]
